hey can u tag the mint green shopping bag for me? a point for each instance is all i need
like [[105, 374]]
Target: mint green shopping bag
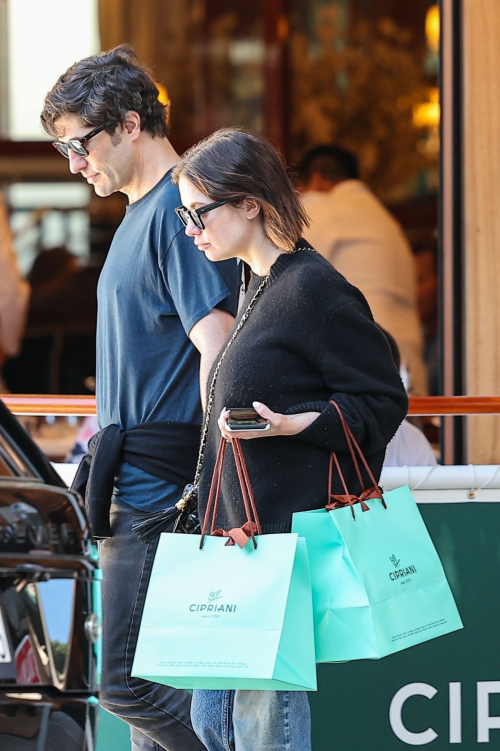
[[229, 617], [378, 583]]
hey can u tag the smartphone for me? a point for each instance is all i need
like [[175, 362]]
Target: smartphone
[[246, 418]]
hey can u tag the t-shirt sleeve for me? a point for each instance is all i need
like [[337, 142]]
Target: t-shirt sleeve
[[195, 284]]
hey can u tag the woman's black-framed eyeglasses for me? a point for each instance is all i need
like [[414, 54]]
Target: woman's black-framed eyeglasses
[[185, 214], [77, 144]]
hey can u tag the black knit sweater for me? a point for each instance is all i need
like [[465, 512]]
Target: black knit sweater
[[310, 338]]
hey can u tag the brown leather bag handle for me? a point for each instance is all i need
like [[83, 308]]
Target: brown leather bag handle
[[246, 488], [375, 491], [252, 525], [241, 468], [352, 442], [213, 495], [339, 501], [351, 450]]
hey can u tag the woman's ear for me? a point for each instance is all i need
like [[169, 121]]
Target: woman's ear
[[251, 207]]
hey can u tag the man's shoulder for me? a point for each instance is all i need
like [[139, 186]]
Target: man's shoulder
[[341, 210], [155, 214], [165, 197], [354, 198]]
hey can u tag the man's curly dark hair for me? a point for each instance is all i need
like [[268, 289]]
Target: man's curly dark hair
[[102, 89]]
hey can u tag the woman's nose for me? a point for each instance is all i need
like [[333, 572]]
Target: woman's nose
[[192, 229]]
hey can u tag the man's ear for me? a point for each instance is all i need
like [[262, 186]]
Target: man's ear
[[252, 208], [132, 125]]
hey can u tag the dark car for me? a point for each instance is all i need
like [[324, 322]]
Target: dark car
[[49, 604]]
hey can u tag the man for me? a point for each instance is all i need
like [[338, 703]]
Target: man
[[164, 312], [356, 233]]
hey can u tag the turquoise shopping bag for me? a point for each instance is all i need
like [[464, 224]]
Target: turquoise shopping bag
[[229, 617], [378, 583]]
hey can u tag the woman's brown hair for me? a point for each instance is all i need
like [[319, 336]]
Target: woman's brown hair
[[233, 164]]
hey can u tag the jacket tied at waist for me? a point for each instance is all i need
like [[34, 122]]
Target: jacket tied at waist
[[168, 450]]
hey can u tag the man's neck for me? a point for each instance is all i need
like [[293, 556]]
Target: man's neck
[[319, 184], [155, 157]]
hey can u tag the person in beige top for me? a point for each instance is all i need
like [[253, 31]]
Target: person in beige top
[[14, 294], [353, 230]]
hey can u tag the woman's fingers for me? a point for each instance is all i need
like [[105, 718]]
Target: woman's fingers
[[221, 422], [275, 418], [265, 412]]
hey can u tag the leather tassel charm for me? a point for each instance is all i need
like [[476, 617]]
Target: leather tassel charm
[[182, 515]]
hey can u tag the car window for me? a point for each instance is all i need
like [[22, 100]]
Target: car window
[[11, 463], [57, 601]]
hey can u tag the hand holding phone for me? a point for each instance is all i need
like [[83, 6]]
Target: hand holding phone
[[248, 424], [245, 418]]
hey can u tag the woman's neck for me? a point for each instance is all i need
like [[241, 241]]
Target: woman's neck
[[261, 257]]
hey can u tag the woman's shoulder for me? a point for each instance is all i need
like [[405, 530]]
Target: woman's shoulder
[[314, 277]]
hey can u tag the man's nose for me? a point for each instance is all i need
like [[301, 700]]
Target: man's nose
[[76, 163]]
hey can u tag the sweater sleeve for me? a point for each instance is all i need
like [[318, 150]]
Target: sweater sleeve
[[357, 366]]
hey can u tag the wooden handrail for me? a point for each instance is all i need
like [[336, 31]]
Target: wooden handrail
[[454, 405], [41, 404]]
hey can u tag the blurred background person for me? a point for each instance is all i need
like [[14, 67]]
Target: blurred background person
[[14, 295], [58, 350], [426, 266], [353, 230], [409, 447], [52, 289]]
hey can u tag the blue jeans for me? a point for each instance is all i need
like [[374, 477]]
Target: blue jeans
[[252, 720]]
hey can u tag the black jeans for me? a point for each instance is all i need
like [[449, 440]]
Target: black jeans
[[158, 715]]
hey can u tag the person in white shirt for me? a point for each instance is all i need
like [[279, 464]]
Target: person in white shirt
[[409, 447], [14, 294], [352, 229]]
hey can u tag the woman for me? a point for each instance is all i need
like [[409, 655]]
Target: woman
[[307, 337]]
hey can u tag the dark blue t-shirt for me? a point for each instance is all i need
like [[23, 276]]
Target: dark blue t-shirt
[[155, 285]]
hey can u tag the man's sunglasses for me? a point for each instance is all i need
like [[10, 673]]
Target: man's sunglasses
[[77, 144], [195, 214]]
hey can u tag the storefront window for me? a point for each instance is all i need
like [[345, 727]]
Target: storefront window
[[49, 215], [38, 41], [361, 76], [210, 59]]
